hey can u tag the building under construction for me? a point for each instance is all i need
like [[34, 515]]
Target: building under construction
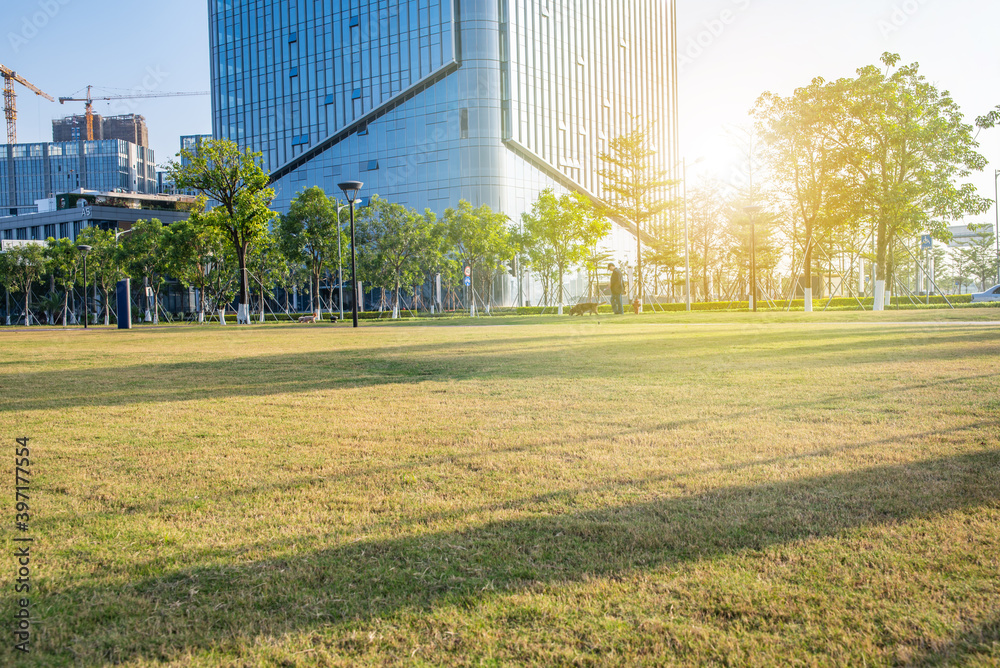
[[129, 127]]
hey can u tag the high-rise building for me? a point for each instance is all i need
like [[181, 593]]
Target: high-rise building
[[33, 172], [128, 127], [433, 101], [74, 128], [163, 182]]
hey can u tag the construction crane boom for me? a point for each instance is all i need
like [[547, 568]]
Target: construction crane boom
[[89, 100], [137, 96], [10, 99]]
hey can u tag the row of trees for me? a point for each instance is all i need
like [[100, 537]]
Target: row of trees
[[842, 178], [855, 168], [866, 161], [222, 255]]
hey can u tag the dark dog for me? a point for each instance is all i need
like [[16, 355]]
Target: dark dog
[[581, 309]]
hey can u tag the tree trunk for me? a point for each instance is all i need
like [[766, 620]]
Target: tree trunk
[[807, 262], [27, 304], [317, 300], [880, 265], [242, 305], [395, 307], [201, 304]]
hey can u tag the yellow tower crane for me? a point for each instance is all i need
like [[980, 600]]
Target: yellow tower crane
[[10, 99], [89, 100]]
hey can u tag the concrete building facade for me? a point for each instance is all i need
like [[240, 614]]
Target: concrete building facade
[[127, 127], [65, 215]]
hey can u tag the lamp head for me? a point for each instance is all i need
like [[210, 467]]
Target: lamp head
[[351, 189], [83, 248], [753, 209]]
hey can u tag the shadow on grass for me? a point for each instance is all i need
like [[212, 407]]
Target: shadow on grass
[[226, 605], [567, 357], [366, 472]]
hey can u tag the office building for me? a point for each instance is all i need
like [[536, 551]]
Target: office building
[[433, 101], [164, 184], [33, 172]]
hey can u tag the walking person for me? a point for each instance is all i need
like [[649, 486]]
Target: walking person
[[617, 287]]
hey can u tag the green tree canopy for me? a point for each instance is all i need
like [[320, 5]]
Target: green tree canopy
[[23, 265], [308, 233], [238, 182], [635, 189], [145, 252], [481, 238], [63, 263], [903, 145], [397, 245], [103, 263], [196, 255], [564, 228]]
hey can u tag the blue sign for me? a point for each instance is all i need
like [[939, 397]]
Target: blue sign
[[926, 242], [468, 281]]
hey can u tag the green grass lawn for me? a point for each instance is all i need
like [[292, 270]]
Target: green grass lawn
[[731, 489]]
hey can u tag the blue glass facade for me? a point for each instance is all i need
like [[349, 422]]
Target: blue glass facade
[[433, 101], [37, 171]]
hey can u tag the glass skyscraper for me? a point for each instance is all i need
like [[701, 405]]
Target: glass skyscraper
[[433, 101]]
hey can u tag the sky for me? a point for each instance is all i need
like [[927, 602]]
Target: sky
[[731, 51]]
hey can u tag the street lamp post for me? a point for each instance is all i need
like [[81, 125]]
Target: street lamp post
[[753, 211], [340, 263], [351, 189], [83, 248]]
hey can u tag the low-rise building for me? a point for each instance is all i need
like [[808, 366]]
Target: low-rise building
[[67, 214]]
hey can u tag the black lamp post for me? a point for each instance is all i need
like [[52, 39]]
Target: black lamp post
[[86, 306], [351, 189], [753, 211]]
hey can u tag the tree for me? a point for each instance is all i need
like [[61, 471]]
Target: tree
[[480, 238], [566, 226], [238, 182], [23, 266], [903, 145], [635, 189], [799, 150], [706, 212], [195, 249], [979, 255], [145, 253], [397, 245], [268, 264], [63, 259], [308, 233], [103, 263]]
